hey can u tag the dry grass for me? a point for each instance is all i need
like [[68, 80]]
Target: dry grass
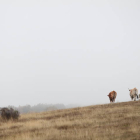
[[119, 121]]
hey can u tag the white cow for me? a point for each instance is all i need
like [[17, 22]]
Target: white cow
[[134, 93]]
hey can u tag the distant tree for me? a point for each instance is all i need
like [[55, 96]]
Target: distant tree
[[24, 109], [40, 107], [51, 108]]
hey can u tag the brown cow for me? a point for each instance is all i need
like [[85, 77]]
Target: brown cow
[[112, 96]]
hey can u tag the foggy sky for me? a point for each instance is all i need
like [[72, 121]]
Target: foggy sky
[[71, 52]]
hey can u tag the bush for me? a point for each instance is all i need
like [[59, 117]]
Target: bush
[[9, 113]]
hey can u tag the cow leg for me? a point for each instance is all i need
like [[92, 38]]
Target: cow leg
[[113, 100]]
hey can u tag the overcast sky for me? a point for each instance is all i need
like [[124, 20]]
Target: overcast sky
[[71, 52]]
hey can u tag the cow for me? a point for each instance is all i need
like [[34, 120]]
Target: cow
[[112, 96], [134, 94]]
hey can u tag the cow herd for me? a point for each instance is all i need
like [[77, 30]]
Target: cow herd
[[133, 95]]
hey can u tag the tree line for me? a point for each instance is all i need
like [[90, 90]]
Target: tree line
[[41, 107]]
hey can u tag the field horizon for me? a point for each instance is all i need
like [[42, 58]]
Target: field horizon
[[113, 121]]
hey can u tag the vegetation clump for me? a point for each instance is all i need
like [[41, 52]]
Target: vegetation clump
[[9, 113]]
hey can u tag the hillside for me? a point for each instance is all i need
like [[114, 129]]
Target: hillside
[[116, 121]]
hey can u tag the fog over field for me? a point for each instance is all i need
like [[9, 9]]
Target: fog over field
[[69, 52]]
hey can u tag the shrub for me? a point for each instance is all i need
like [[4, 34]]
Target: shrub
[[9, 113]]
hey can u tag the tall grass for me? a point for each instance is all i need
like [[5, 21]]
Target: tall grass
[[116, 121]]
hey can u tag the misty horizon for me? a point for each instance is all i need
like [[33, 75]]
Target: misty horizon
[[68, 52]]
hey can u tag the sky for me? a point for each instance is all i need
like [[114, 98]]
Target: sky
[[70, 52]]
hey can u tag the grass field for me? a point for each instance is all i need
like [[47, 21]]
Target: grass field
[[116, 121]]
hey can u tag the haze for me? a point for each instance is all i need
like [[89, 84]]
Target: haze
[[71, 52]]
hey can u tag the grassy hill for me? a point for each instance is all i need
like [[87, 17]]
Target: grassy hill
[[116, 121]]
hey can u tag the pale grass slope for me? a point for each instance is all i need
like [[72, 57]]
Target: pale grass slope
[[116, 121]]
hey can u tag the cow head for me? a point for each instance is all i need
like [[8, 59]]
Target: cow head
[[129, 89]]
